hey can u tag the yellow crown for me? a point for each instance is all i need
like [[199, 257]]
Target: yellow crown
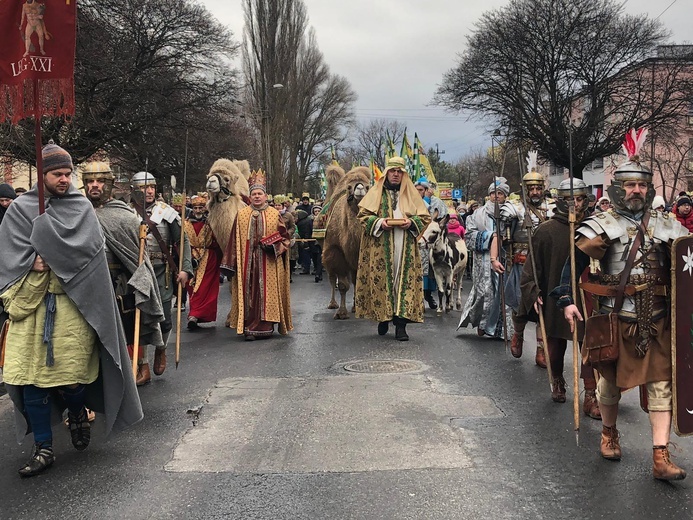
[[257, 181]]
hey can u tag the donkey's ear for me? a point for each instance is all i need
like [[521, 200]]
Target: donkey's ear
[[444, 220], [435, 215]]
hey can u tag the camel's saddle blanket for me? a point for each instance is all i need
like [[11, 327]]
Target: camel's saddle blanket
[[682, 334]]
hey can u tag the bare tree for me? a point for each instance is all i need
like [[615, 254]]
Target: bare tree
[[550, 70], [299, 120], [146, 72], [370, 139]]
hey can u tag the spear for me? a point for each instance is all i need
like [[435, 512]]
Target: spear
[[573, 275], [540, 310], [181, 250]]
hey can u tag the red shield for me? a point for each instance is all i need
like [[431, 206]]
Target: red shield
[[682, 334]]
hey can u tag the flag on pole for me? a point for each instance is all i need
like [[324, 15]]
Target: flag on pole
[[377, 173], [323, 183], [407, 154], [389, 147], [37, 49], [424, 163]]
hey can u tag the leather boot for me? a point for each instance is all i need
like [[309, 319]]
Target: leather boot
[[539, 358], [401, 333], [591, 406], [663, 468], [516, 345], [383, 326], [610, 446], [558, 389], [143, 374], [159, 361]]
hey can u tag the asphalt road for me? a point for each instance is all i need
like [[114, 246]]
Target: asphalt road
[[278, 429]]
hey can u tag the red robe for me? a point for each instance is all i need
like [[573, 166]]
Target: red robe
[[204, 289]]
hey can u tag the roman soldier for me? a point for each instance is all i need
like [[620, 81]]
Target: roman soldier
[[163, 240], [518, 223], [134, 284], [632, 243]]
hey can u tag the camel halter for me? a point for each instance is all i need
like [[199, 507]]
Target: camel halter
[[222, 189]]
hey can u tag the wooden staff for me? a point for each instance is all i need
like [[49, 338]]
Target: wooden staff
[[573, 285], [181, 250], [138, 316]]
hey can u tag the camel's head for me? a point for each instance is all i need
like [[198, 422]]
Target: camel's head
[[225, 180], [357, 184]]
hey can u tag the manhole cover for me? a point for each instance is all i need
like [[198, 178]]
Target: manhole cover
[[382, 366]]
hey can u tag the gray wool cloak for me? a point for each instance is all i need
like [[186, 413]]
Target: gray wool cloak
[[120, 227], [69, 239]]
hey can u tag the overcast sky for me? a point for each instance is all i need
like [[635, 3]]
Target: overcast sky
[[394, 54]]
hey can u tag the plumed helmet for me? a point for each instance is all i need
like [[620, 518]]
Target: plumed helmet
[[563, 193], [99, 171], [533, 177], [142, 179], [631, 170]]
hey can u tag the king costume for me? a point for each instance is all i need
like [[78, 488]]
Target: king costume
[[389, 281], [257, 257]]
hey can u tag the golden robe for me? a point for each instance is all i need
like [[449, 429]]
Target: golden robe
[[260, 294], [389, 281]]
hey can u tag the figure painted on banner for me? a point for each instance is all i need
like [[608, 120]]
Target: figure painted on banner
[[64, 347], [33, 13], [389, 282], [636, 285], [206, 256], [257, 258]]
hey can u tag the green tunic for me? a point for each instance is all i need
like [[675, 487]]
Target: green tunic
[[76, 358]]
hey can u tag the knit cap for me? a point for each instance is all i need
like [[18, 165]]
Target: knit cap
[[7, 192], [55, 158]]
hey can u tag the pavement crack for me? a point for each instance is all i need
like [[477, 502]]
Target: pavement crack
[[197, 410]]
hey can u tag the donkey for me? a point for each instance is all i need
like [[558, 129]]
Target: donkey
[[448, 259]]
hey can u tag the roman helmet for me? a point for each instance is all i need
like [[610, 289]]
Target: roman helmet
[[142, 179], [101, 171], [533, 177], [563, 194], [631, 170]]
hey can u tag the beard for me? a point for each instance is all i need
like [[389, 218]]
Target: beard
[[635, 204]]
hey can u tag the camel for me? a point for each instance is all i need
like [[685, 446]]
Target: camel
[[340, 254], [227, 185]]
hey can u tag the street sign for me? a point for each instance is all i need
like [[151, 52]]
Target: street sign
[[457, 193]]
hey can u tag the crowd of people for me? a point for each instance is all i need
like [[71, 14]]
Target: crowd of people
[[66, 347]]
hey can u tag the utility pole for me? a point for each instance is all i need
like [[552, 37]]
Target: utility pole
[[438, 153]]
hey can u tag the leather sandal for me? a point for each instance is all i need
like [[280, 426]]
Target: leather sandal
[[41, 458]]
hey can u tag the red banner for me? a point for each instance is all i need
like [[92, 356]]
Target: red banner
[[37, 47]]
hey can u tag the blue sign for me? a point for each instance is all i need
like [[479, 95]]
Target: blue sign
[[457, 193]]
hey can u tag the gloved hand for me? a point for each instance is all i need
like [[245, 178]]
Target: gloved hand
[[267, 248]]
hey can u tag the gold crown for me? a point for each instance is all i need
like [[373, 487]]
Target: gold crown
[[257, 180]]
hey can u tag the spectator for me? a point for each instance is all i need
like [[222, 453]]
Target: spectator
[[683, 212], [305, 205], [19, 190], [304, 224], [658, 204], [454, 225], [603, 204], [7, 195]]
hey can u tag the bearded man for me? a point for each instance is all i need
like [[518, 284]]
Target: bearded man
[[163, 241], [389, 283], [519, 223], [551, 245], [64, 345], [642, 305], [206, 254], [257, 256], [134, 283]]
